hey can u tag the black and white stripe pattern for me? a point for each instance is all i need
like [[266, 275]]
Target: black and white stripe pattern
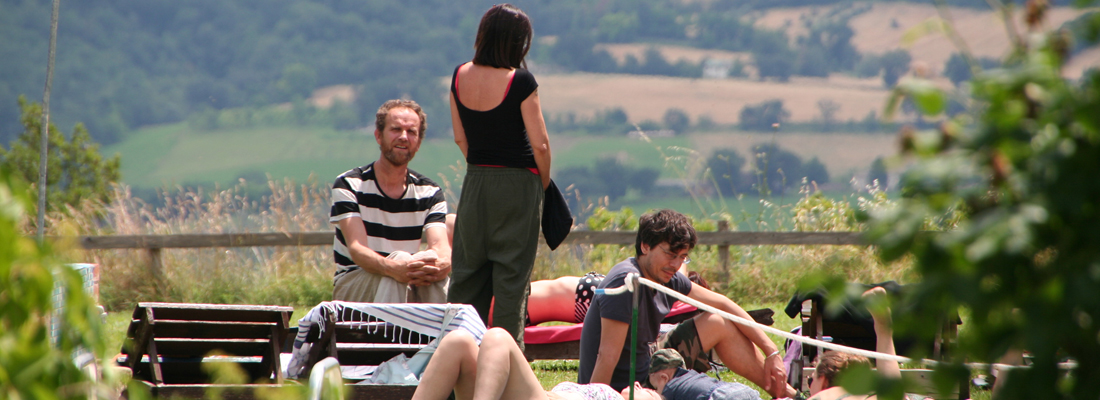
[[391, 224]]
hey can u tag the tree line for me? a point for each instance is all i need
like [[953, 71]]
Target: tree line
[[130, 63]]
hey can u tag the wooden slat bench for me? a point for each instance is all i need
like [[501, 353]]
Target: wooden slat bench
[[167, 343]]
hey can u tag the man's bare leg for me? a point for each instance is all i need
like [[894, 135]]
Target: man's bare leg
[[453, 366], [736, 351]]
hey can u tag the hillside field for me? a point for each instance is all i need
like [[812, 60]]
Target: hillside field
[[176, 155]]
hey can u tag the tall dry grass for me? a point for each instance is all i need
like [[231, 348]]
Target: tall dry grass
[[286, 275]]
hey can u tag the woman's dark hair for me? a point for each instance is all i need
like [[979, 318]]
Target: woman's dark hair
[[697, 279], [665, 226], [503, 38]]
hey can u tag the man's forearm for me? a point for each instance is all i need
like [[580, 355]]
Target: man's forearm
[[371, 261], [754, 334], [603, 370]]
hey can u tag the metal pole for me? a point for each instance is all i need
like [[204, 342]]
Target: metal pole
[[43, 156], [634, 336]]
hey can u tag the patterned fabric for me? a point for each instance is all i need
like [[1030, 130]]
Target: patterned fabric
[[589, 391], [585, 293], [425, 319], [391, 224], [684, 338]]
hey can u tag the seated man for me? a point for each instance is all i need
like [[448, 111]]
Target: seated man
[[664, 240], [671, 380], [381, 210]]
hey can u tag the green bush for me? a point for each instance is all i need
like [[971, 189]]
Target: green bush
[[31, 365], [1023, 260]]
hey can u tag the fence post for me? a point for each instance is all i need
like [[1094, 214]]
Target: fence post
[[155, 263], [724, 253]]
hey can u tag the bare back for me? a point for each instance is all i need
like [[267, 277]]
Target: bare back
[[553, 300], [482, 88]]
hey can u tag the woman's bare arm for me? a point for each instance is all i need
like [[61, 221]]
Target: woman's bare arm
[[456, 124], [884, 333], [536, 134]]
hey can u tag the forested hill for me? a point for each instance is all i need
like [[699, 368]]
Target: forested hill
[[123, 64]]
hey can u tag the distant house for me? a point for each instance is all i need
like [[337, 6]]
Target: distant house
[[717, 68]]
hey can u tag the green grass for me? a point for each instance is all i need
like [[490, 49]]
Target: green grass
[[177, 154], [584, 151]]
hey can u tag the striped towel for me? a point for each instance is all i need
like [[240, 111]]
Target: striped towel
[[425, 319]]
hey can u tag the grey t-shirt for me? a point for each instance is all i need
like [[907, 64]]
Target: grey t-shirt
[[653, 308]]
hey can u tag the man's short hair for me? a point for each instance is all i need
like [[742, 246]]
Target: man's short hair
[[832, 362], [665, 226], [380, 116]]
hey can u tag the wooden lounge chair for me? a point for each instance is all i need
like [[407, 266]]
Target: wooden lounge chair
[[168, 343]]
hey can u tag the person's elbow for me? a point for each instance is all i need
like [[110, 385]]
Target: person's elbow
[[541, 149]]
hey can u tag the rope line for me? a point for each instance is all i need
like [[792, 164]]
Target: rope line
[[742, 321]]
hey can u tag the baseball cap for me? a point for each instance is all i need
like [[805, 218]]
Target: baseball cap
[[665, 358]]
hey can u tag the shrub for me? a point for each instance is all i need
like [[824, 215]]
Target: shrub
[[763, 116]]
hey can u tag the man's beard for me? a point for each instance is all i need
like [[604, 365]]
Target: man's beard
[[397, 159]]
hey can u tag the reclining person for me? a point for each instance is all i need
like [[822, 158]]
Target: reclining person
[[668, 376], [498, 370], [832, 363], [565, 299]]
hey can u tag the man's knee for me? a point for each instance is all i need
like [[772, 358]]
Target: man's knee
[[708, 324]]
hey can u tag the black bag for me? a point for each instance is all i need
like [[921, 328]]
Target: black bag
[[557, 220]]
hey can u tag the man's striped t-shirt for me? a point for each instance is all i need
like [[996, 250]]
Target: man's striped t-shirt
[[391, 224]]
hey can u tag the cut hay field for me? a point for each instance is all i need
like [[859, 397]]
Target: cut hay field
[[648, 97], [882, 28], [886, 25]]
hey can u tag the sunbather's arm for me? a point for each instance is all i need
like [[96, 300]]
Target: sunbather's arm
[[612, 337], [884, 334]]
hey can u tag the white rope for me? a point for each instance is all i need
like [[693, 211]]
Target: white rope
[[742, 321]]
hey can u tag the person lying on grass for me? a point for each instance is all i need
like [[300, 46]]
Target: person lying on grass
[[498, 370], [823, 382], [668, 376]]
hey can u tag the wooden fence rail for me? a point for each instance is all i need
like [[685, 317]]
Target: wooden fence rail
[[723, 238], [201, 240]]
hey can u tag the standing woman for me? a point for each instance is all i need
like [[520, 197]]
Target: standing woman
[[498, 126]]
